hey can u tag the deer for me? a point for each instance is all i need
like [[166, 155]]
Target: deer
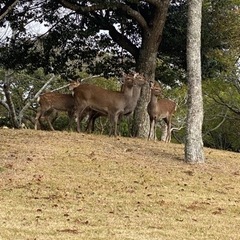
[[160, 109], [51, 101], [93, 115], [109, 103]]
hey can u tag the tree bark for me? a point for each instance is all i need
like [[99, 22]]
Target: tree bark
[[194, 142], [146, 64]]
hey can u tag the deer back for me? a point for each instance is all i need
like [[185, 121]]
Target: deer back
[[166, 107], [101, 99], [58, 101]]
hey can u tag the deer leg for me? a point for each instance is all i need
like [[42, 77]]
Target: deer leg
[[168, 134], [47, 113], [38, 115], [111, 121], [78, 112], [70, 116], [150, 130], [49, 123], [169, 131], [80, 115], [154, 129], [168, 123], [120, 117], [116, 117], [90, 122], [93, 115], [113, 118]]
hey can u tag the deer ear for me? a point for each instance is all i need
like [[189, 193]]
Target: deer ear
[[151, 83], [142, 77], [137, 74], [121, 80]]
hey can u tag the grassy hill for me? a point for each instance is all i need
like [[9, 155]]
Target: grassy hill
[[60, 185]]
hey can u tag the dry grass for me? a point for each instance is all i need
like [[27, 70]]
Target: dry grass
[[59, 185]]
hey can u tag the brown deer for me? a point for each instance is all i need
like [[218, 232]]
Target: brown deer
[[160, 109], [93, 115], [110, 103], [51, 101]]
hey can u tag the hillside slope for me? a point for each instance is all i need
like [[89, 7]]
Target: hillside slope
[[60, 185]]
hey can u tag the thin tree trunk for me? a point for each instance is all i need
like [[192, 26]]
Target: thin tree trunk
[[16, 119], [9, 101], [194, 142]]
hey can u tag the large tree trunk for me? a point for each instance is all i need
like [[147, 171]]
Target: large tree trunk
[[194, 143], [146, 64]]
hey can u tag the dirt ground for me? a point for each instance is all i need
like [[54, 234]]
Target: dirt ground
[[66, 185]]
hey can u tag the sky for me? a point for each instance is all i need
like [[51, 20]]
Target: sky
[[34, 28]]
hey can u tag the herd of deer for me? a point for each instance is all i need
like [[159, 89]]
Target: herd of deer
[[88, 99]]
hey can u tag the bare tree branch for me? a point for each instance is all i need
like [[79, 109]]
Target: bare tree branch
[[122, 40], [94, 76], [7, 8], [4, 104], [223, 103], [20, 116], [103, 6], [219, 125], [103, 22], [9, 101], [156, 3]]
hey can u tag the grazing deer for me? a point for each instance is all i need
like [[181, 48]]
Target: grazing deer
[[109, 103], [51, 101], [160, 109]]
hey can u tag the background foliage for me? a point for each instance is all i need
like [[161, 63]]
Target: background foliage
[[72, 52]]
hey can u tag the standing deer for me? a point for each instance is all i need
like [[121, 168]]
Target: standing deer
[[160, 109], [110, 103], [93, 115], [54, 101]]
